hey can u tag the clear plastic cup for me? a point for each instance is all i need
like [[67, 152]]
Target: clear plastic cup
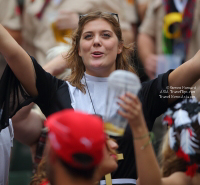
[[119, 82]]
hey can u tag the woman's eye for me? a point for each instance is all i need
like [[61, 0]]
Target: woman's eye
[[87, 36], [106, 35]]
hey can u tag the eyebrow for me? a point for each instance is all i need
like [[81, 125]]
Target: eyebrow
[[100, 31]]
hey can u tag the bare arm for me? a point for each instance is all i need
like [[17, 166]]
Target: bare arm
[[184, 76], [147, 165], [19, 61], [26, 122], [146, 49], [57, 65], [146, 46], [16, 34]]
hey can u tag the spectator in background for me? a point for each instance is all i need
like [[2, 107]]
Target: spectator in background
[[170, 27], [37, 32]]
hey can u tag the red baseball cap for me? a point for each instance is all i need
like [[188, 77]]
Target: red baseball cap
[[77, 138]]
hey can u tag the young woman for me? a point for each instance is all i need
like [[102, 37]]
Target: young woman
[[97, 50], [180, 164]]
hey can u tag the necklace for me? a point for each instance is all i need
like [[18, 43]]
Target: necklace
[[89, 95], [91, 99]]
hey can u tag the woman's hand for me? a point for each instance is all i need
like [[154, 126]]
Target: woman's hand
[[67, 20], [132, 110]]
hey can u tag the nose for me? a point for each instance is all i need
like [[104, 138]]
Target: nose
[[113, 145], [97, 41]]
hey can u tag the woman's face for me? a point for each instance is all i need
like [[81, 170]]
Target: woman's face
[[99, 47], [109, 161]]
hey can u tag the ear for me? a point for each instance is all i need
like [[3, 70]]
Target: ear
[[120, 48]]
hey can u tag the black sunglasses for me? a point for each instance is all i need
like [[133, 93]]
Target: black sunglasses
[[115, 15]]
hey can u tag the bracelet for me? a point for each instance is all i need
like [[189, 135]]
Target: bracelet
[[151, 139], [142, 137], [146, 144]]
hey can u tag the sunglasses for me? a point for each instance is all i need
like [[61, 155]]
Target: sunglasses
[[115, 15]]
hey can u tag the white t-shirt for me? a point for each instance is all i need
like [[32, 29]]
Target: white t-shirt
[[6, 142], [98, 89]]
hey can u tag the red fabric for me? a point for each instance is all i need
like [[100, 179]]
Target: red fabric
[[18, 10], [190, 131], [45, 182], [72, 132], [169, 120], [39, 14], [191, 170], [182, 155]]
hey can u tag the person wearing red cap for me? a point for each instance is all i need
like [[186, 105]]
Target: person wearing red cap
[[107, 165], [76, 143]]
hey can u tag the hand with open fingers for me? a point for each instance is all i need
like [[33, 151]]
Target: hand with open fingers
[[131, 109]]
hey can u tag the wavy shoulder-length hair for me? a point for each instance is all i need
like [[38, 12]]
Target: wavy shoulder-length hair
[[74, 61]]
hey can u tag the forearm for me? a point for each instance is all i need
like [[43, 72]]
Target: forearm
[[16, 34], [147, 165], [57, 65], [146, 46], [19, 61]]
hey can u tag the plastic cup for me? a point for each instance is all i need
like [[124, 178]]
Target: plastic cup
[[119, 82]]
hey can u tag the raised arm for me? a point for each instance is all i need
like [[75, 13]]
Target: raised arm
[[184, 76], [147, 165], [19, 61], [27, 122]]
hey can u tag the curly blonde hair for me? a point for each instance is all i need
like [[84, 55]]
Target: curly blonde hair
[[75, 62]]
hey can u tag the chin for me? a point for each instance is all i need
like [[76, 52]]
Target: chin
[[110, 167]]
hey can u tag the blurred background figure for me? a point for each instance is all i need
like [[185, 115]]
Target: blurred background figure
[[170, 27], [10, 19], [46, 23]]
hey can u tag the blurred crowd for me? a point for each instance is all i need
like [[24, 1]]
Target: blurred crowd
[[157, 31]]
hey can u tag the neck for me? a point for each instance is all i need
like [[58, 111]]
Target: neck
[[100, 72], [63, 178]]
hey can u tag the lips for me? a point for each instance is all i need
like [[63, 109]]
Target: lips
[[114, 156], [97, 54]]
